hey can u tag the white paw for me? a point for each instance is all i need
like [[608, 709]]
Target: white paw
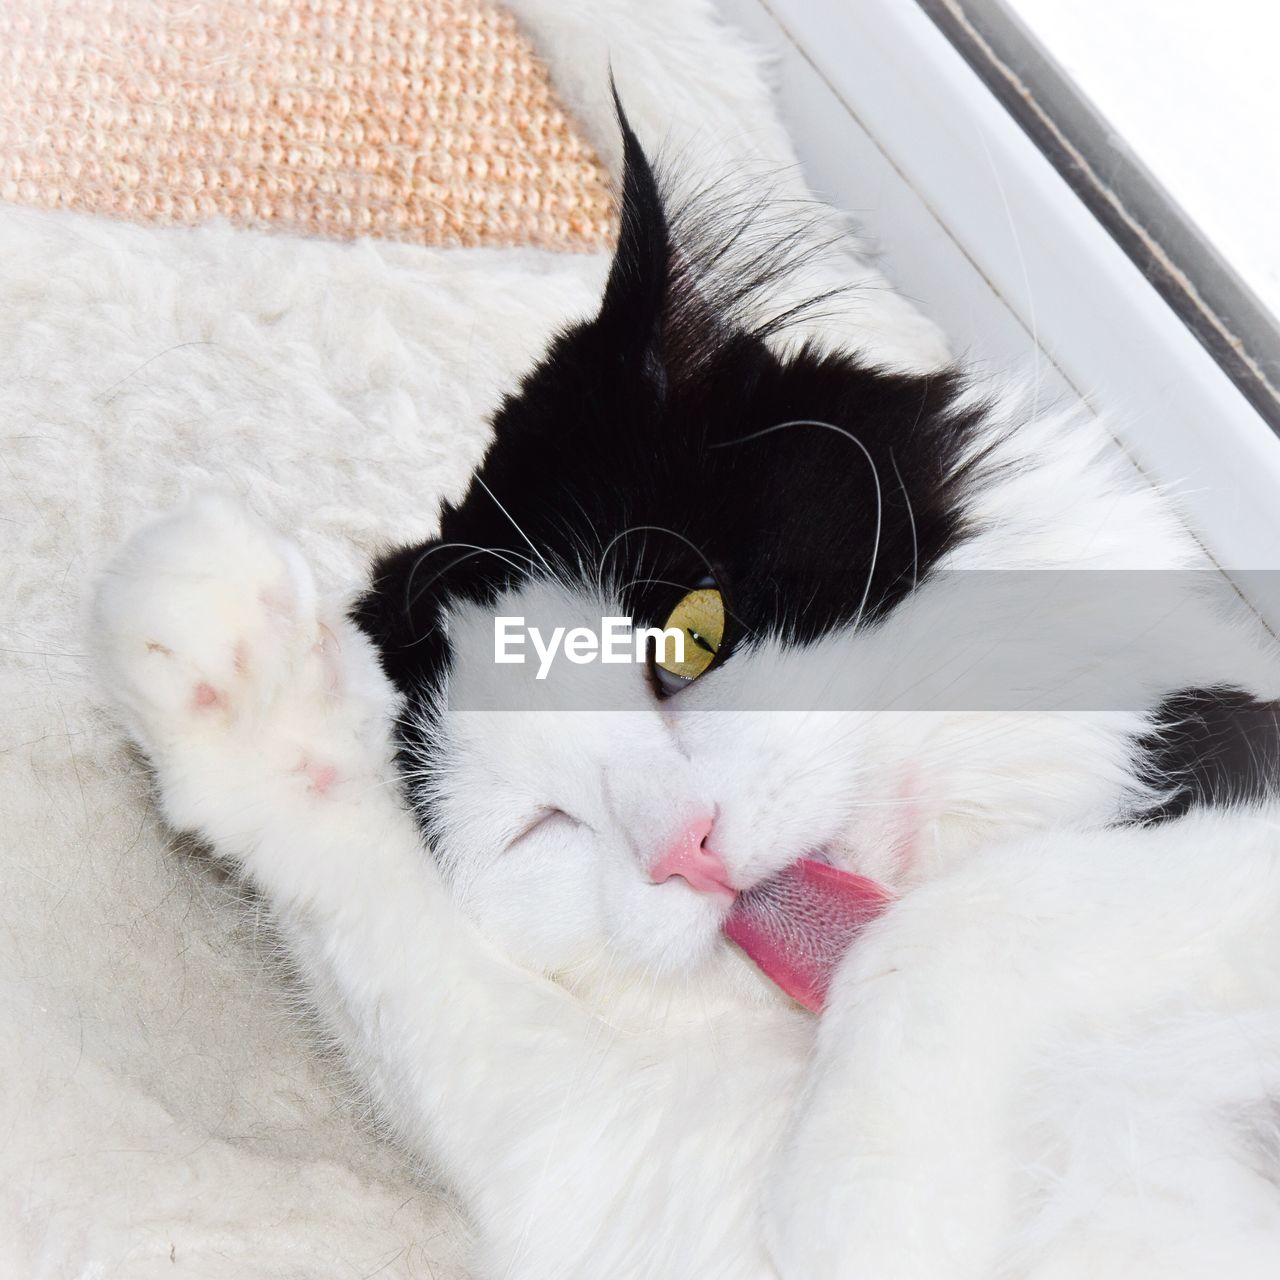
[[199, 621], [209, 641]]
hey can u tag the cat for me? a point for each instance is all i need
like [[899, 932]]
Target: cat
[[1055, 1052]]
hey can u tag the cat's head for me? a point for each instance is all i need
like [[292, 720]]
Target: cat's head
[[665, 462]]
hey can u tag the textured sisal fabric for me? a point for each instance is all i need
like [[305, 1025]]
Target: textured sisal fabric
[[422, 120]]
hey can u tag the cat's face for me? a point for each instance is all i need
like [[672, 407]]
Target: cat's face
[[663, 465]]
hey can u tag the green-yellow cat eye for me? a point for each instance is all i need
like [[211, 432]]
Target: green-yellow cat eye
[[699, 617]]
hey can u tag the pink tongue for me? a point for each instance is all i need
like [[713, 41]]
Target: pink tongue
[[797, 925]]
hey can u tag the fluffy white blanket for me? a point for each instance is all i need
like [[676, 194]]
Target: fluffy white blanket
[[166, 1111]]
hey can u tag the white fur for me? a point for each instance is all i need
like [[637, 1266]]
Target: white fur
[[1008, 1065], [161, 1087]]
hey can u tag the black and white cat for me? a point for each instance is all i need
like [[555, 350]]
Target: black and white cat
[[1057, 1051]]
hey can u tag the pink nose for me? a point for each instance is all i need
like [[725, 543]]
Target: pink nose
[[688, 857]]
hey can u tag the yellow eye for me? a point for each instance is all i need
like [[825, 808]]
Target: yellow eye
[[699, 618]]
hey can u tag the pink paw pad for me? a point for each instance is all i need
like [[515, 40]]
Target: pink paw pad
[[320, 776], [206, 696]]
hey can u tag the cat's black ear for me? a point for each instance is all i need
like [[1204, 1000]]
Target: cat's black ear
[[653, 310], [637, 280]]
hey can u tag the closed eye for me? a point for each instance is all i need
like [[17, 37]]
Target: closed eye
[[540, 820]]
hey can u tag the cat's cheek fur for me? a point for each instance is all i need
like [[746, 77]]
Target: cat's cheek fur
[[537, 903], [573, 893], [568, 904]]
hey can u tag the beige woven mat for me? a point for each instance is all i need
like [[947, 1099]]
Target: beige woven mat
[[423, 120]]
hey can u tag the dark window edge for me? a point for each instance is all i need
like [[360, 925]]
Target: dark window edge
[[1171, 252]]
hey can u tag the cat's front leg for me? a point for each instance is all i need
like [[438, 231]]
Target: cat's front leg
[[919, 1150], [899, 1165], [268, 727], [267, 724]]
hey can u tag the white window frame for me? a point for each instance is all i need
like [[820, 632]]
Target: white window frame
[[978, 227]]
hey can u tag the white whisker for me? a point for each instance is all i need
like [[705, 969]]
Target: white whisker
[[480, 481]]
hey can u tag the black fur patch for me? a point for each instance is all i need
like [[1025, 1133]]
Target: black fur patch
[[1216, 746], [663, 442]]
